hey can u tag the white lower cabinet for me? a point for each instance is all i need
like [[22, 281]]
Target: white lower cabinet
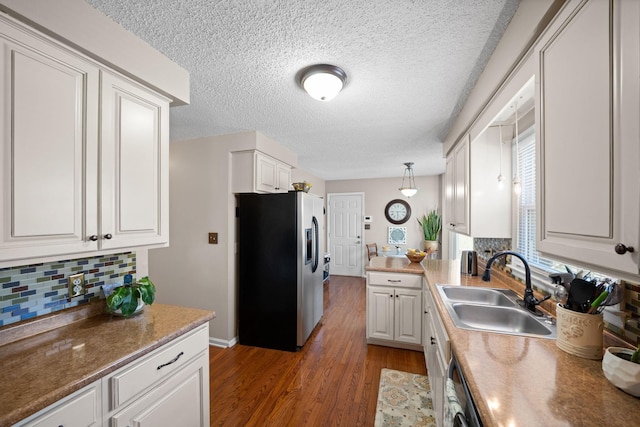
[[80, 409], [437, 353], [182, 400], [394, 310], [166, 388]]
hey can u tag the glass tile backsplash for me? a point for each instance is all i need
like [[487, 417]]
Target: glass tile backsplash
[[37, 289]]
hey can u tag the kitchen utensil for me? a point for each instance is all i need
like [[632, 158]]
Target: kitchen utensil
[[616, 293], [596, 302], [580, 294], [469, 263], [561, 294]]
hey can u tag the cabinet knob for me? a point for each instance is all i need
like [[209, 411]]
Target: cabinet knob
[[433, 341], [621, 249], [391, 295], [93, 238], [108, 236]]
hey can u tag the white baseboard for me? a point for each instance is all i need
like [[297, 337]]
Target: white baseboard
[[216, 342]]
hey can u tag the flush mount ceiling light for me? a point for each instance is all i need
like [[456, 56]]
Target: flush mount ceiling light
[[410, 189], [323, 82]]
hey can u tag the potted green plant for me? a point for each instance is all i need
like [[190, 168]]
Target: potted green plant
[[431, 224], [130, 298], [621, 366]]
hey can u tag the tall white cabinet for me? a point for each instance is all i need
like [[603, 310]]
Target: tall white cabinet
[[84, 152], [456, 194], [588, 132]]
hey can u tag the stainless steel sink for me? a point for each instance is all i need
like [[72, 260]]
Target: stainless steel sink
[[506, 320], [488, 296], [493, 310]]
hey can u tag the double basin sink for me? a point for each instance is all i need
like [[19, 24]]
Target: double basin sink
[[493, 310]]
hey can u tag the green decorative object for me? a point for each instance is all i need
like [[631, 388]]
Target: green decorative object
[[431, 225], [127, 298]]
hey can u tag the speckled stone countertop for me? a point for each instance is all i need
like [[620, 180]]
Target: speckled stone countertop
[[395, 265], [517, 381], [44, 367]]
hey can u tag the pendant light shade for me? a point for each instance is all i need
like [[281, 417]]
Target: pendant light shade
[[410, 188], [323, 82]]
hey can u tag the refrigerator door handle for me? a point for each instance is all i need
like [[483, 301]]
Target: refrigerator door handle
[[316, 245]]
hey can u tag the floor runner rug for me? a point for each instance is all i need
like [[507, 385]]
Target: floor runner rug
[[404, 399]]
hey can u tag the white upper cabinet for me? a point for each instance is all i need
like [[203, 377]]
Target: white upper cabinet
[[49, 124], [255, 172], [134, 165], [457, 188], [84, 153], [588, 106]]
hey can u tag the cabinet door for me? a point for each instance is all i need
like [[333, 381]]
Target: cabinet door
[[81, 409], [284, 178], [380, 313], [48, 125], [588, 134], [134, 165], [449, 192], [408, 316], [456, 180], [183, 400], [461, 203], [266, 174]]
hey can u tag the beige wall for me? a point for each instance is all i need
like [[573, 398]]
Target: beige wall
[[191, 272], [379, 192]]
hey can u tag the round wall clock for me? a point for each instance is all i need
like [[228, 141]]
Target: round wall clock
[[397, 211]]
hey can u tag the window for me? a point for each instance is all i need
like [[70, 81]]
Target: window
[[525, 214]]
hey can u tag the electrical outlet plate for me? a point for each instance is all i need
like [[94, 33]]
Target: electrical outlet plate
[[76, 285]]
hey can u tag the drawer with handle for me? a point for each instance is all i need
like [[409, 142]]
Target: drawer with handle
[[126, 384], [395, 279]]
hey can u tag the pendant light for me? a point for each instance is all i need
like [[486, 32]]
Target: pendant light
[[500, 177], [323, 81], [411, 189], [517, 186]]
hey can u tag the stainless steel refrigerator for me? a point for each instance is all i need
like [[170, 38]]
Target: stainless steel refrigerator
[[280, 294]]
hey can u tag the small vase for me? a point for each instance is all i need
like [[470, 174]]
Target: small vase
[[431, 245], [622, 373]]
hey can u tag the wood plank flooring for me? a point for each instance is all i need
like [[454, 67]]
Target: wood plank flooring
[[332, 381]]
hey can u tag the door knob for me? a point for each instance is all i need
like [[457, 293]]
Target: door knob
[[621, 249]]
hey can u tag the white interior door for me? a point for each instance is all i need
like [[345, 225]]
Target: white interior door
[[345, 233]]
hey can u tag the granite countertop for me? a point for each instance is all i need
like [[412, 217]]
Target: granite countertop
[[47, 365], [395, 265], [518, 381]]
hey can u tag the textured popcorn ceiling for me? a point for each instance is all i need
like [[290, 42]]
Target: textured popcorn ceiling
[[410, 67]]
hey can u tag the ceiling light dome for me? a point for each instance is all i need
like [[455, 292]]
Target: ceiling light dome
[[323, 82]]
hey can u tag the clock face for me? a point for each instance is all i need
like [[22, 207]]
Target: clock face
[[397, 211]]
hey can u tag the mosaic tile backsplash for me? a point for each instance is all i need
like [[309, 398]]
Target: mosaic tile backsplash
[[34, 290], [486, 247]]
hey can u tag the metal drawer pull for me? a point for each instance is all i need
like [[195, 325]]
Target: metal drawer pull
[[171, 361], [394, 281]]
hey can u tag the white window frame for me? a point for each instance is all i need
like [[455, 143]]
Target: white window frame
[[539, 271]]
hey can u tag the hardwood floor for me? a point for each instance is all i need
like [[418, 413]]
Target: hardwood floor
[[332, 381]]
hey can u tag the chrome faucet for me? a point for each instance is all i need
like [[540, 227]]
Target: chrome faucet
[[530, 301]]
